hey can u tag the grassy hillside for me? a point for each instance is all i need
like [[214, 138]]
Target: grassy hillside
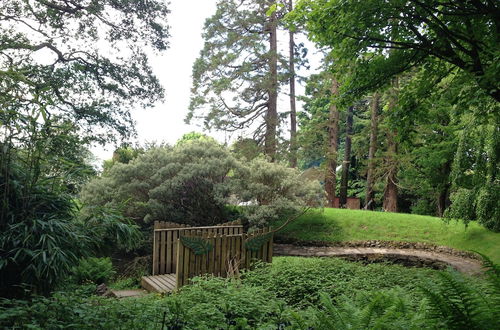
[[332, 225]]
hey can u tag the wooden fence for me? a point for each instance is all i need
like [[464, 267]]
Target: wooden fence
[[166, 235], [226, 254]]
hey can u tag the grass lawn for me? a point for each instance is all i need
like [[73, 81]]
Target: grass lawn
[[333, 225]]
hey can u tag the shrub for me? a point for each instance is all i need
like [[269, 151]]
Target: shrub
[[94, 270], [192, 183], [184, 184], [273, 191]]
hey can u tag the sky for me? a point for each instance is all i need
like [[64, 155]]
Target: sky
[[165, 122]]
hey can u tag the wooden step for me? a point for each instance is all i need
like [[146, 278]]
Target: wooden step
[[159, 283]]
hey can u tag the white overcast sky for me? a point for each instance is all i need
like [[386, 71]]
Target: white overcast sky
[[165, 122]]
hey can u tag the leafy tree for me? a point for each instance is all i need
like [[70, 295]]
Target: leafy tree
[[70, 71], [52, 61], [235, 79], [465, 36], [194, 136]]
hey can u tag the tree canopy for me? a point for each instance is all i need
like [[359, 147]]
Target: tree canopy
[[85, 61], [405, 34]]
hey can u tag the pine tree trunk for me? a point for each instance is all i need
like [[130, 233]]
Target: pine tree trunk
[[344, 181], [369, 198], [272, 111], [293, 110], [333, 131], [391, 189]]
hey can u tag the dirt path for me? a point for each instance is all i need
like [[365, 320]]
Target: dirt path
[[409, 256]]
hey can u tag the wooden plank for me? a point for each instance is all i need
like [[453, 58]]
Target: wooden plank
[[168, 262], [162, 253], [179, 273], [223, 255], [187, 255], [153, 280], [203, 261], [175, 238], [162, 282], [169, 280], [148, 285], [211, 255], [155, 252], [184, 227], [218, 255]]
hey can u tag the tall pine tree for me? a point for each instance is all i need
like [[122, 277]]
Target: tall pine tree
[[235, 79]]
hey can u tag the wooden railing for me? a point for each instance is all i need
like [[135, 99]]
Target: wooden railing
[[166, 235], [227, 255]]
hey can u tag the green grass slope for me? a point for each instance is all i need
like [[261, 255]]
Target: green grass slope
[[334, 225]]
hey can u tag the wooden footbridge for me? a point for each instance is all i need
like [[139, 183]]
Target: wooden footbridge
[[182, 252]]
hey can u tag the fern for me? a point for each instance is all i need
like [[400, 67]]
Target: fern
[[459, 305]]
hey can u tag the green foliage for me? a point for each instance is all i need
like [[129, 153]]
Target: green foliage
[[299, 281], [39, 241], [379, 310], [215, 303], [79, 79], [374, 41], [194, 136], [462, 206], [199, 245], [184, 184], [93, 270], [40, 237], [192, 183], [206, 304], [457, 305], [273, 191], [487, 210], [110, 230]]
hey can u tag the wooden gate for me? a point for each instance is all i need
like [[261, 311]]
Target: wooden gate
[[165, 239], [223, 256], [182, 252]]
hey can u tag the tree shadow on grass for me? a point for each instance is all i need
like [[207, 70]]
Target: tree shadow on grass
[[313, 226]]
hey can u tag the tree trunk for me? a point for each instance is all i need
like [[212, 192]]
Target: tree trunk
[[344, 181], [391, 189], [272, 111], [369, 198], [293, 110], [333, 131]]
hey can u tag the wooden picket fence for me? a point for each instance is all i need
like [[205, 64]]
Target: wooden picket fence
[[228, 252], [228, 255], [166, 235]]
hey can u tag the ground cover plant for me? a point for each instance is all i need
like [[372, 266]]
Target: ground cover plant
[[336, 225], [292, 293]]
